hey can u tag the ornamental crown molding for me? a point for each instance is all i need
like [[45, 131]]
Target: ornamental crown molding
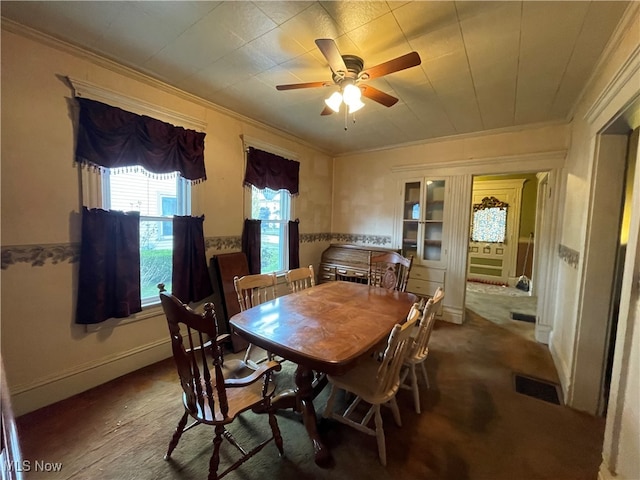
[[86, 89]]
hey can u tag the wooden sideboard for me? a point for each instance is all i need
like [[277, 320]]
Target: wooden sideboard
[[347, 262]]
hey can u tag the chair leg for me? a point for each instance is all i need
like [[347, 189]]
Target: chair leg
[[382, 449], [276, 432], [215, 456], [176, 435], [328, 409], [424, 373], [396, 411], [414, 387]]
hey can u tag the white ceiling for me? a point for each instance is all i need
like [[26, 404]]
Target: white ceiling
[[485, 65]]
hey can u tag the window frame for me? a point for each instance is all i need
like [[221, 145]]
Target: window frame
[[183, 207], [286, 201]]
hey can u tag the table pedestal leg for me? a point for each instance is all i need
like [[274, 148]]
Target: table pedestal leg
[[304, 382]]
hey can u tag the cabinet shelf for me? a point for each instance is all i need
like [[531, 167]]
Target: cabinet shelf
[[423, 221]]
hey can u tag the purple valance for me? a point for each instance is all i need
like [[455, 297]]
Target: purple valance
[[266, 170], [113, 138]]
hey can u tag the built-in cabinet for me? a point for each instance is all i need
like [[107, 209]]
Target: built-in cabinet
[[423, 230]]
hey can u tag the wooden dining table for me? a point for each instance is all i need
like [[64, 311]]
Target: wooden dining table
[[323, 329]]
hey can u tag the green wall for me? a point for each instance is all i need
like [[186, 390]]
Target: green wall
[[529, 197]]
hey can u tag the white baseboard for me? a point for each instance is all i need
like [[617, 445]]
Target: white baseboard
[[452, 315], [605, 474], [561, 367], [543, 333], [26, 398]]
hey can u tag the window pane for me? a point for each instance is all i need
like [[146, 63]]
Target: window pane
[[140, 192], [156, 260], [154, 198], [272, 247], [169, 209], [273, 208]]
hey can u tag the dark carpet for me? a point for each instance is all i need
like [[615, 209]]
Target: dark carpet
[[474, 425]]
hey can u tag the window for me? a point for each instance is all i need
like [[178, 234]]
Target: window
[[489, 225], [169, 209], [156, 199], [274, 209]]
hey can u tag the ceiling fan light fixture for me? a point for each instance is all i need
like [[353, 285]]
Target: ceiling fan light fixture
[[355, 105], [334, 101], [351, 94]]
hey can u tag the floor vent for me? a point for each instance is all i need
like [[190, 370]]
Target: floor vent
[[523, 317], [540, 389]]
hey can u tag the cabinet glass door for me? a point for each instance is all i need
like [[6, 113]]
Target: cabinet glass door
[[411, 219], [433, 220]]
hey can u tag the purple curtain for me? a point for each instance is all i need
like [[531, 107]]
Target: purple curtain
[[294, 244], [266, 170], [109, 278], [111, 137], [251, 244], [191, 281]]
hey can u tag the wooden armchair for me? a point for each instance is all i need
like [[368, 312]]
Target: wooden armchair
[[208, 396], [390, 270], [253, 290], [300, 278]]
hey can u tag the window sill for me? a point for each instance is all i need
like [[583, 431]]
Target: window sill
[[147, 312]]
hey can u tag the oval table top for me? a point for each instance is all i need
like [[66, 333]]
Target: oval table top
[[326, 327]]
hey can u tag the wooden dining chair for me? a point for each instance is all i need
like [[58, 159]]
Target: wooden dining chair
[[419, 348], [390, 270], [300, 278], [375, 381], [253, 290], [210, 397]]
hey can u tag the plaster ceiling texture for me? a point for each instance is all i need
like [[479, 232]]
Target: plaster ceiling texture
[[484, 65]]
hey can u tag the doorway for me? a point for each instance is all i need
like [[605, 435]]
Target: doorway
[[494, 269], [616, 153]]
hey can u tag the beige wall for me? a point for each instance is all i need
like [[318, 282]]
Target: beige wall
[[367, 185], [47, 357], [611, 90]]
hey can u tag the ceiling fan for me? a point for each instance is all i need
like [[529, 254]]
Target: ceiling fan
[[348, 73]]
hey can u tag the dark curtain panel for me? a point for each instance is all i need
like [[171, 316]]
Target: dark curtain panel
[[294, 244], [191, 281], [251, 243], [109, 279], [266, 170], [111, 137]]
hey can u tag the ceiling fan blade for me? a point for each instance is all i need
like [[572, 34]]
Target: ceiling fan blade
[[378, 96], [293, 86], [330, 51], [400, 63], [326, 110]]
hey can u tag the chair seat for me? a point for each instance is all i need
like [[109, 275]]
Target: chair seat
[[362, 382], [239, 400], [418, 357]]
